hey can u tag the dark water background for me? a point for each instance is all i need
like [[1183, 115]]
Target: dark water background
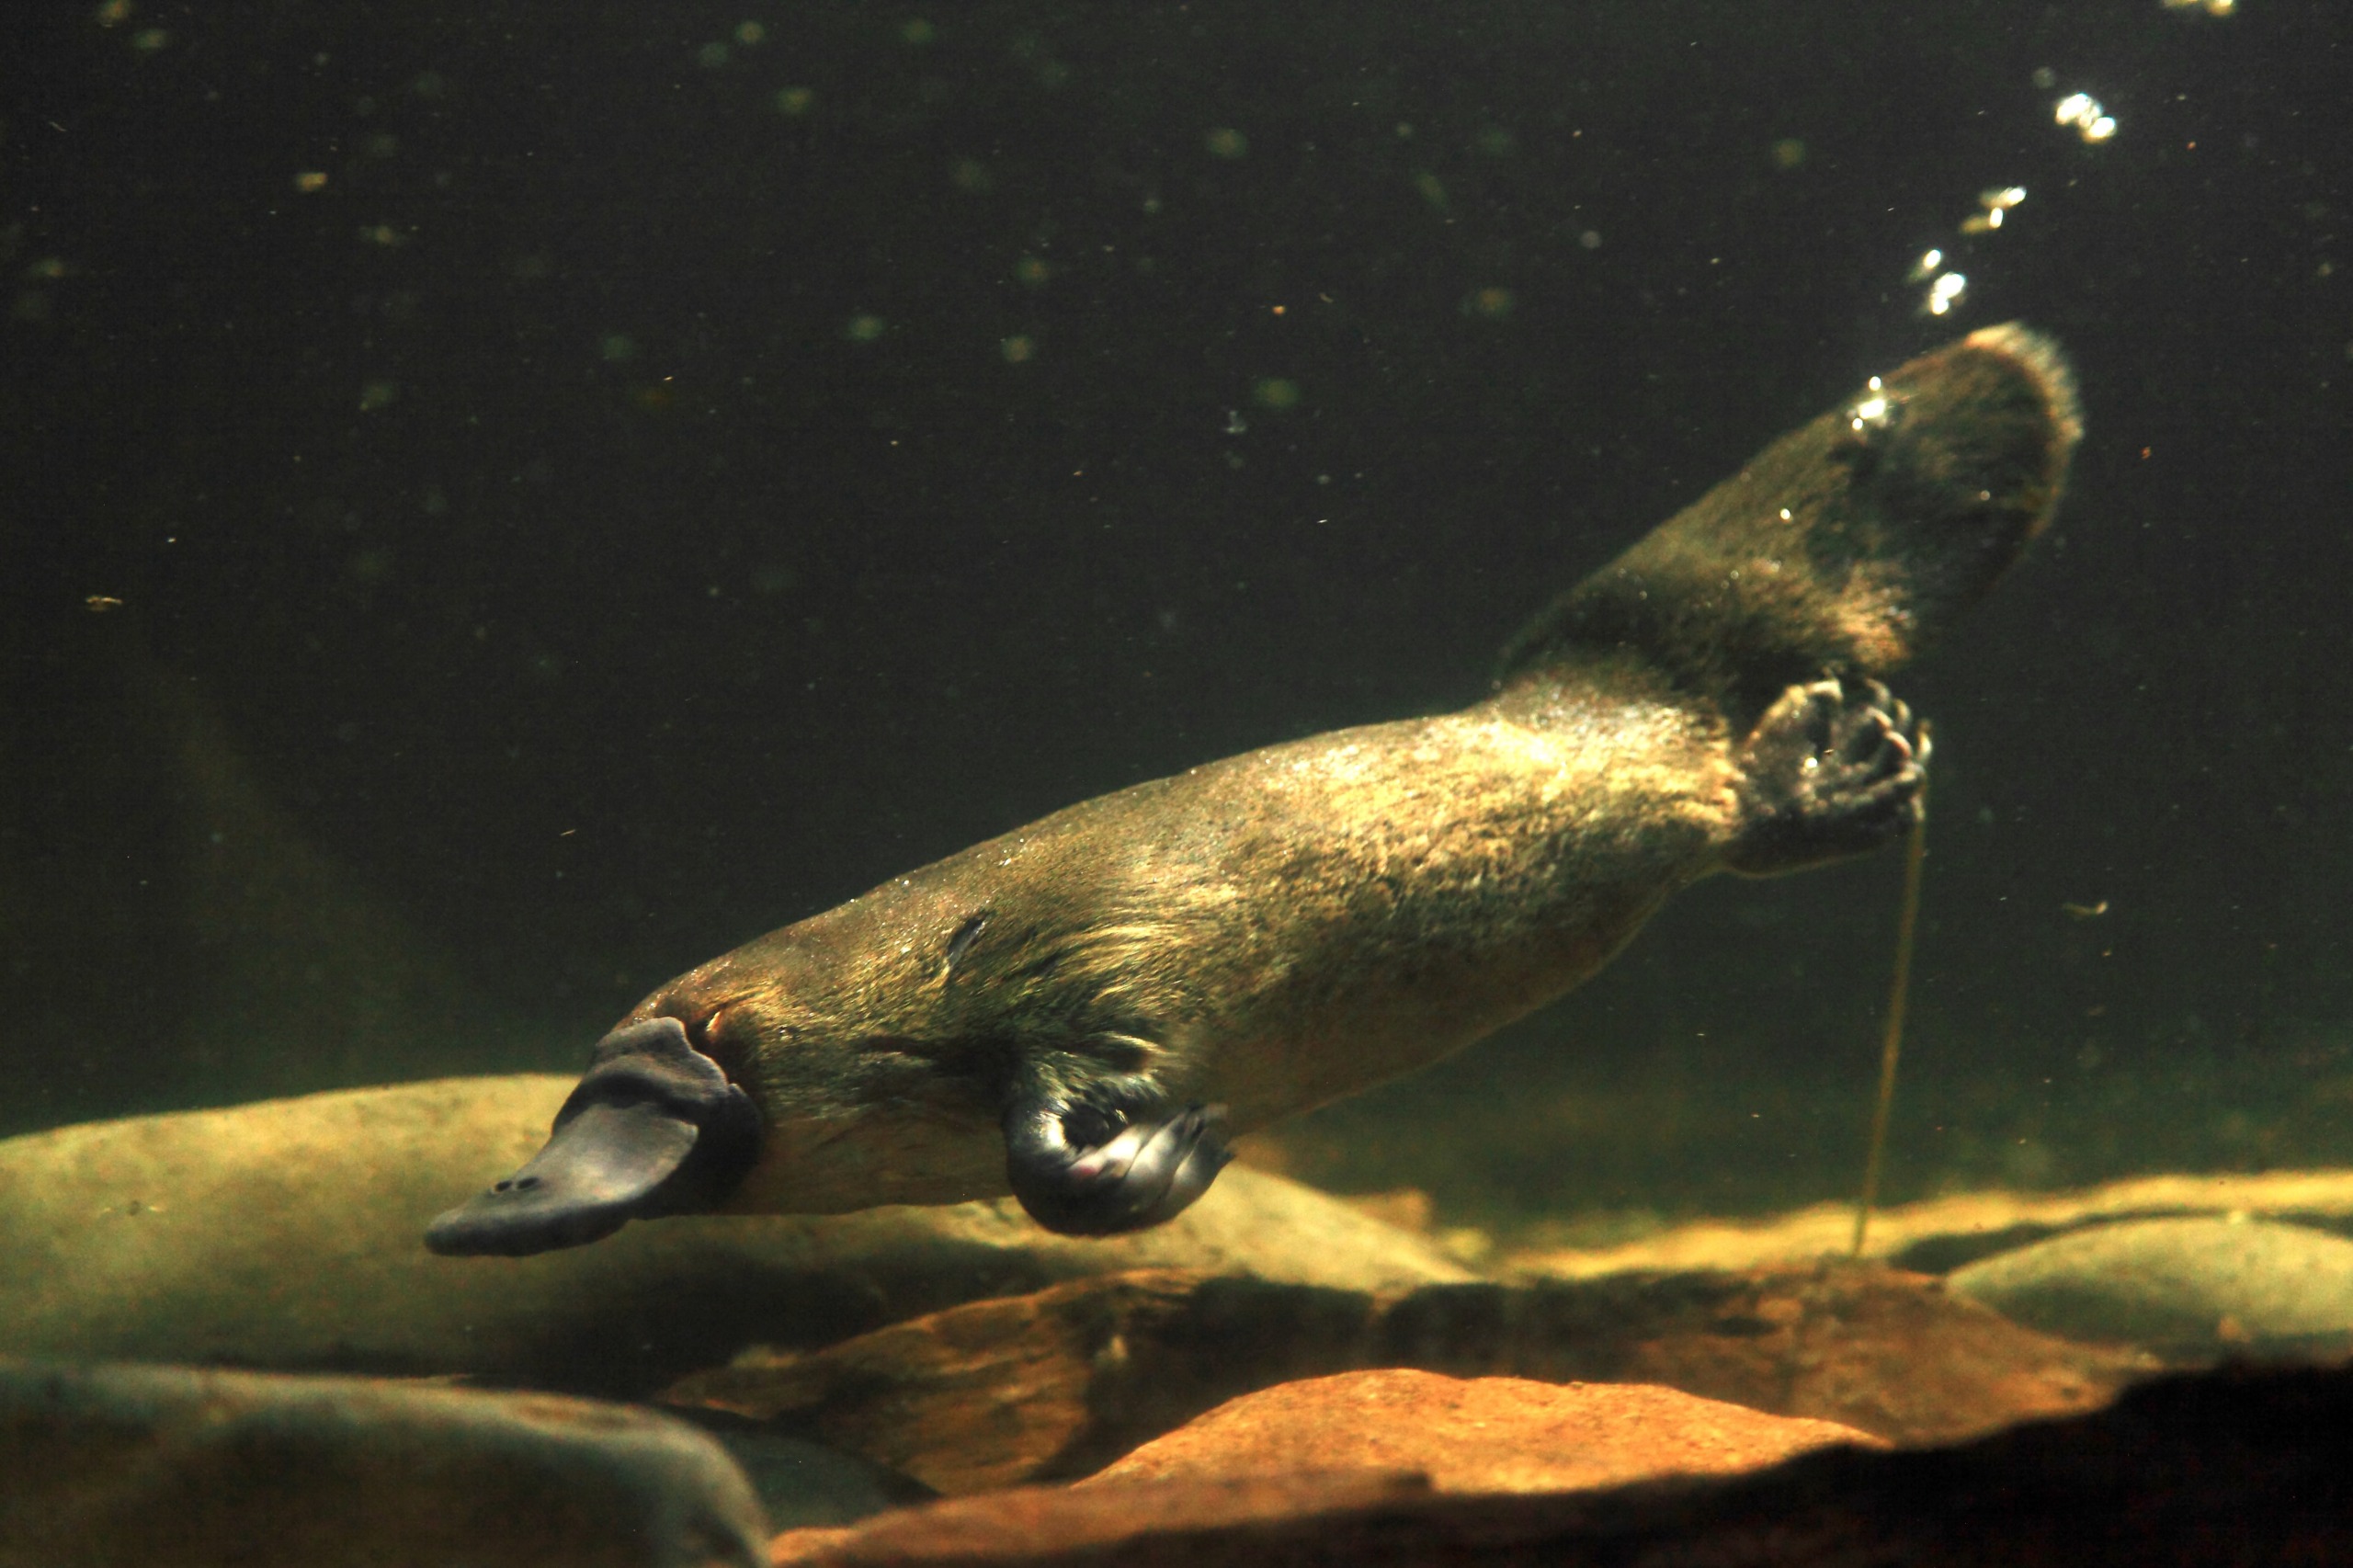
[[682, 464]]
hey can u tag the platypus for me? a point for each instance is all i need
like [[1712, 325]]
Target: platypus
[[1083, 1011]]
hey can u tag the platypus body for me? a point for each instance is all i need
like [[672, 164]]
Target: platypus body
[[1082, 1011]]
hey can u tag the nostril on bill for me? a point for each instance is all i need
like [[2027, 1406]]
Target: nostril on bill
[[653, 1129]]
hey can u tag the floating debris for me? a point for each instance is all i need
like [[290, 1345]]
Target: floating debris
[[1490, 304], [1276, 394]]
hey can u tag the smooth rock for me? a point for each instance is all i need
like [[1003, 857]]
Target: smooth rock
[[1476, 1434], [102, 1467], [2228, 1469], [1940, 1234], [1058, 1384], [2188, 1287], [804, 1483], [287, 1234]]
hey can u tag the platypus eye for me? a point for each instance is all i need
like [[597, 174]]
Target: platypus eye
[[962, 942]]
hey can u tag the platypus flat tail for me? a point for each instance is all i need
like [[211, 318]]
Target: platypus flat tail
[[1847, 544]]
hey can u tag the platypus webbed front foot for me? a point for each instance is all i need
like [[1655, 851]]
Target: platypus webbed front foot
[[654, 1128], [1831, 771], [1085, 1170]]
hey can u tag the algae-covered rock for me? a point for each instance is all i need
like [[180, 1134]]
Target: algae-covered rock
[[165, 1466], [2188, 1286], [288, 1235]]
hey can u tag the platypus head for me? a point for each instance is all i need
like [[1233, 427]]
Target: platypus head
[[954, 1034], [653, 1128], [826, 1067]]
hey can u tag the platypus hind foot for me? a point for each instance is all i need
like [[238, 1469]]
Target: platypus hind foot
[[1831, 771], [654, 1128], [1088, 1172]]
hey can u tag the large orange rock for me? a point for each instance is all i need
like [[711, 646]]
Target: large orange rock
[[2232, 1467], [1477, 1434]]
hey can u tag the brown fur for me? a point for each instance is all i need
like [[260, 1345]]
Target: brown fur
[[1277, 929]]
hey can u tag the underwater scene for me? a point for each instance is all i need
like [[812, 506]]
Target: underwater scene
[[1016, 782]]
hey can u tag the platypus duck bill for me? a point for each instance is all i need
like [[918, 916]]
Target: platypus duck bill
[[654, 1128]]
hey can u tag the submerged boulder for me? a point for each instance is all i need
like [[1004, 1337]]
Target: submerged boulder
[[164, 1466], [287, 1234], [2190, 1287]]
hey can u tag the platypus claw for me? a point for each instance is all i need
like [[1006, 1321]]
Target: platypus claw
[[654, 1128], [1832, 769], [1141, 1169]]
